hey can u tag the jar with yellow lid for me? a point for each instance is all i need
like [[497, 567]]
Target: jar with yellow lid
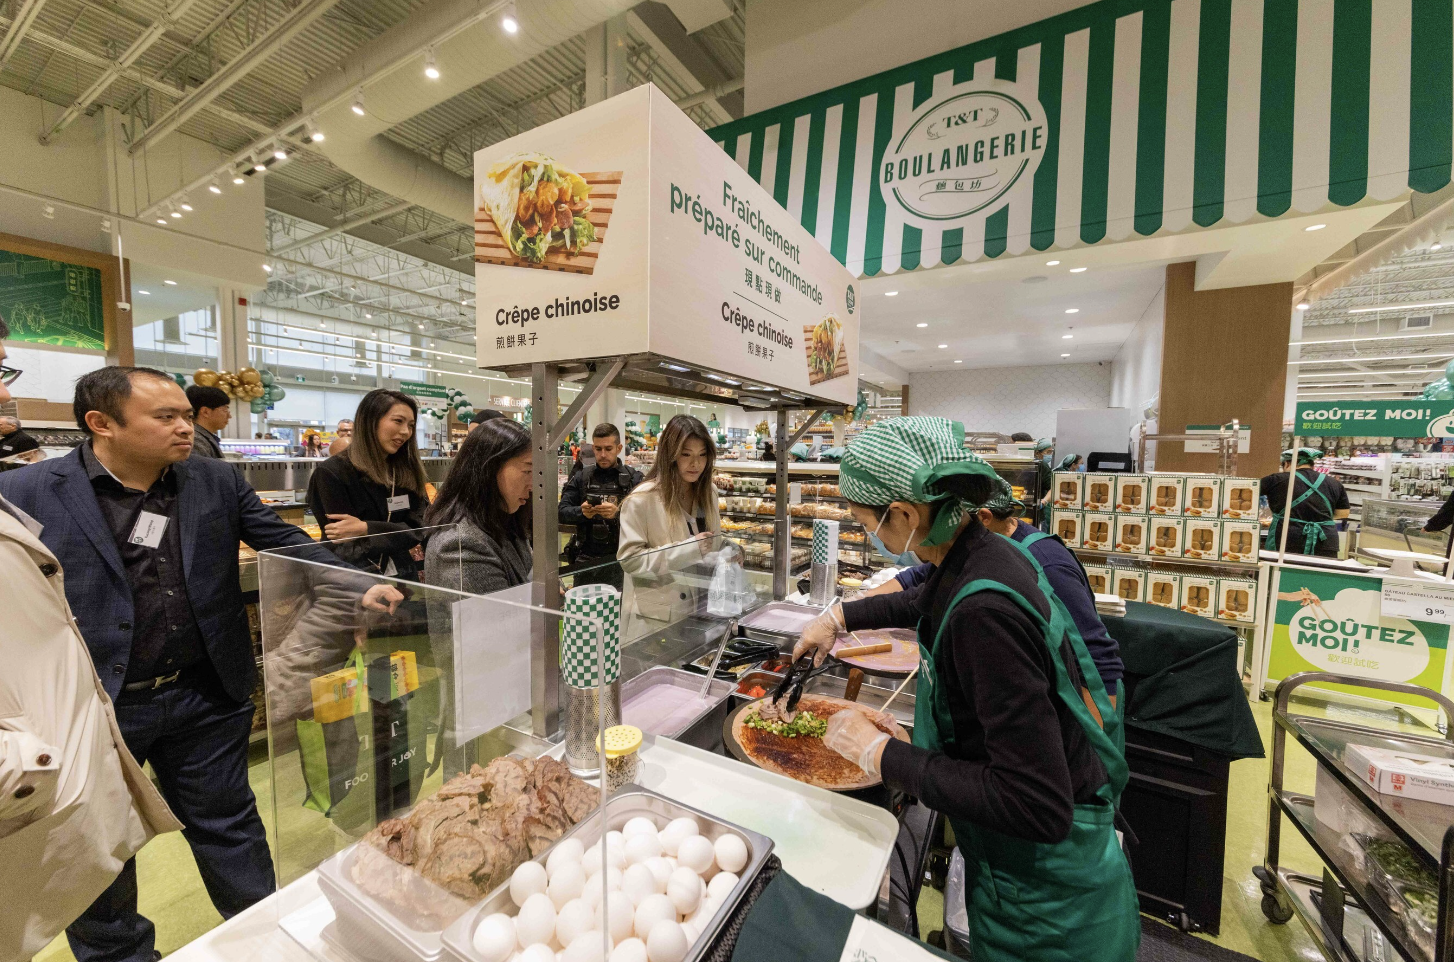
[[622, 761]]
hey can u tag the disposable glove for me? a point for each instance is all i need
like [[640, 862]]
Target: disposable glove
[[819, 635], [856, 738]]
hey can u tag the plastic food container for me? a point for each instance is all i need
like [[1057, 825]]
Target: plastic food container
[[622, 762], [663, 701], [371, 928], [458, 939], [1419, 910]]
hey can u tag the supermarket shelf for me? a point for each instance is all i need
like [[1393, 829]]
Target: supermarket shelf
[[1194, 562], [768, 519]]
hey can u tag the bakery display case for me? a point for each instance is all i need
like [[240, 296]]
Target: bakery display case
[[748, 501]]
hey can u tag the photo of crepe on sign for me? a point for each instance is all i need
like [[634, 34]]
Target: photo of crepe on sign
[[536, 213], [827, 354]]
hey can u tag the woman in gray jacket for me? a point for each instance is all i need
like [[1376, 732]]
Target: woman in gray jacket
[[486, 500]]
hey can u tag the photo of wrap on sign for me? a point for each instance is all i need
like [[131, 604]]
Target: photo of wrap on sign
[[827, 357], [536, 213]]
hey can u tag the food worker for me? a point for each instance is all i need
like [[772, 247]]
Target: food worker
[[1003, 742], [1071, 462], [1001, 514], [1044, 481], [1318, 504]]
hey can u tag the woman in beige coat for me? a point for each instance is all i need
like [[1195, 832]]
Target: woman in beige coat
[[675, 506], [74, 805]]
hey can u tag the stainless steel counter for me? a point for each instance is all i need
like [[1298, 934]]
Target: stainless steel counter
[[293, 474]]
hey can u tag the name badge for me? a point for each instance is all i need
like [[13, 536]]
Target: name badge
[[149, 530], [399, 502]]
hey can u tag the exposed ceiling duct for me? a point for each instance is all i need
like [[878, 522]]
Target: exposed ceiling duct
[[387, 81]]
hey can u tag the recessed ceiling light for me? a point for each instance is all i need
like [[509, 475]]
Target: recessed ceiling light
[[215, 187], [238, 179], [1072, 310], [1436, 246], [268, 268], [162, 221], [147, 293], [958, 362], [1066, 337], [170, 283], [358, 103], [431, 68], [368, 315], [259, 167], [509, 23], [186, 206], [943, 346], [891, 293], [175, 215], [280, 154], [1065, 355], [1077, 270], [1312, 227], [1051, 263], [922, 324]]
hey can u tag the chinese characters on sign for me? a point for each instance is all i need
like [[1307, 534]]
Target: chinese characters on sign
[[754, 281], [759, 350], [515, 340]]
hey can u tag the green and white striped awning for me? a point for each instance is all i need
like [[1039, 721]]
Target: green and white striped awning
[[1159, 116]]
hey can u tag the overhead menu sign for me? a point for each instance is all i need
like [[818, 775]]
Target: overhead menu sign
[[1375, 419], [622, 229]]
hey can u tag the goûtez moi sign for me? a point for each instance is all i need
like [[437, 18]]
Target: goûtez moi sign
[[1375, 419]]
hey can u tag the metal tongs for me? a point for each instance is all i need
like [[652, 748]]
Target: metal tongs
[[795, 679]]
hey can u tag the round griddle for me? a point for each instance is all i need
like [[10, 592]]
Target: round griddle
[[889, 664], [729, 738]]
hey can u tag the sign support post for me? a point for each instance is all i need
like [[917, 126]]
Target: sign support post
[[545, 586]]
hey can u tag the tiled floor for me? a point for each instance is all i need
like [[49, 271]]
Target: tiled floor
[[172, 894]]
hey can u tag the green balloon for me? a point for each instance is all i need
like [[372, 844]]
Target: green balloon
[[181, 379], [1442, 392], [266, 377], [1449, 372], [258, 405], [276, 393]]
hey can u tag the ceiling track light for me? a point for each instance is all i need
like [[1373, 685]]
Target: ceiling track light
[[431, 66], [215, 187], [280, 154], [1304, 305], [49, 212], [186, 204], [358, 103], [238, 179], [509, 22]]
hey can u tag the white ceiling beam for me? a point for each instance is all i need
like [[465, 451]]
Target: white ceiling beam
[[19, 27], [346, 226]]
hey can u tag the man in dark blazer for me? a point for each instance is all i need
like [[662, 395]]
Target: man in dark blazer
[[149, 541]]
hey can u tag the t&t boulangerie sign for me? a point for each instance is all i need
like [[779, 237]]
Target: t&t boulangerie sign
[[622, 229], [1375, 419]]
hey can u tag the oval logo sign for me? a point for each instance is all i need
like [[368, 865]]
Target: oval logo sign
[[963, 152]]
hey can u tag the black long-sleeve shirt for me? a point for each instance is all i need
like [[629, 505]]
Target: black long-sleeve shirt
[[337, 487], [1021, 760]]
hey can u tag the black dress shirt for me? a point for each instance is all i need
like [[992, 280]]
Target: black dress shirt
[[164, 636]]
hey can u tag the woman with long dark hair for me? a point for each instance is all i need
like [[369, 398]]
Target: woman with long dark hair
[[375, 487], [677, 502], [486, 500]]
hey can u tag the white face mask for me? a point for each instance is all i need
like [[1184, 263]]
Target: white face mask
[[905, 560]]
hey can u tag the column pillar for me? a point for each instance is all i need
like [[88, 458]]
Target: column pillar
[[1224, 356], [232, 353], [606, 60]]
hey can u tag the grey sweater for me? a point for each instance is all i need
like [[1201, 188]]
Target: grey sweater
[[465, 558]]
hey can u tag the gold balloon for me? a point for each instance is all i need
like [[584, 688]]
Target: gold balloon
[[249, 376], [206, 377]]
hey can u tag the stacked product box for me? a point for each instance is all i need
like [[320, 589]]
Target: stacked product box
[[1131, 493], [1129, 583], [1099, 492], [1165, 537], [1199, 594], [1240, 498], [1131, 530], [1066, 525], [1098, 530], [1202, 496], [1163, 588], [1167, 491], [1237, 599], [1241, 541], [1100, 579], [1201, 538], [1068, 490]]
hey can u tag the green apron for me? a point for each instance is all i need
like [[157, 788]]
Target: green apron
[[1070, 901], [1313, 531]]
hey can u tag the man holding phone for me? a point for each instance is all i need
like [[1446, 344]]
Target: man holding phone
[[591, 501]]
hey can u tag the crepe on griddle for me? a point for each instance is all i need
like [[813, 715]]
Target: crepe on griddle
[[804, 759]]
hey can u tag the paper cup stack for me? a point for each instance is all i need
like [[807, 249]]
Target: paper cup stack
[[580, 669]]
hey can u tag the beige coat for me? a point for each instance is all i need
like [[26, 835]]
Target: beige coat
[[653, 593], [74, 805]]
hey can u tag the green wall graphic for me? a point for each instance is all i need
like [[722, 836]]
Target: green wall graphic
[[51, 302]]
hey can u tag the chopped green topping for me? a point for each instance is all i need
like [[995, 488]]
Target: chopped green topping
[[585, 233], [1395, 859], [1423, 904], [804, 725]]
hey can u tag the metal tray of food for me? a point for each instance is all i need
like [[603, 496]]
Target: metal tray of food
[[779, 621], [626, 804], [663, 701]]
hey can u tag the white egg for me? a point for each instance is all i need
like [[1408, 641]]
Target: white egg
[[639, 848], [566, 852], [615, 853], [588, 947], [536, 921], [637, 883], [529, 879], [591, 859], [632, 950], [653, 909], [591, 894], [494, 938], [615, 838], [722, 885], [539, 952], [731, 852], [575, 917], [704, 913], [661, 869], [697, 854], [676, 830], [566, 883], [620, 918], [672, 861], [684, 888], [640, 825], [666, 943]]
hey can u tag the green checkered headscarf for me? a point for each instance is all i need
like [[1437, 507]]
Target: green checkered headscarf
[[907, 459], [1304, 455]]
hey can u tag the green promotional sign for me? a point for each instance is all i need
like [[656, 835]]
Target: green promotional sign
[[1330, 621], [51, 302], [1375, 419], [420, 389]]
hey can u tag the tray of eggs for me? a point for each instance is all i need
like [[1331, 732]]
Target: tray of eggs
[[665, 884]]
